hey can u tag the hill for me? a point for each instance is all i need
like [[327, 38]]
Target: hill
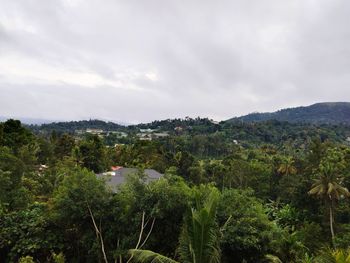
[[319, 113], [72, 126], [27, 121]]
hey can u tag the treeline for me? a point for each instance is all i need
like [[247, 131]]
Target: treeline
[[319, 113], [218, 201], [72, 126], [271, 132]]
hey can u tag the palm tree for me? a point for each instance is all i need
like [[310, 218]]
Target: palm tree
[[287, 167], [199, 240], [333, 256], [328, 188]]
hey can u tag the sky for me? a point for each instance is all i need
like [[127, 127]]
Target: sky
[[140, 60]]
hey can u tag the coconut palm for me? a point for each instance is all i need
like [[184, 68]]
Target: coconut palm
[[341, 256], [333, 256], [287, 167], [328, 188]]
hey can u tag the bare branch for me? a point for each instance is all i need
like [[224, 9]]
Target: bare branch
[[149, 233], [98, 233], [143, 226], [141, 231]]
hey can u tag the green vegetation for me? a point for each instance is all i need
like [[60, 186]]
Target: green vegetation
[[326, 113], [231, 192]]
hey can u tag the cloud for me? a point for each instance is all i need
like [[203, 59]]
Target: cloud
[[132, 60]]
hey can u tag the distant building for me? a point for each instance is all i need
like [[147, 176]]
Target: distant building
[[160, 134], [214, 122], [147, 130], [178, 129], [118, 134], [151, 136], [144, 136], [94, 131], [118, 175]]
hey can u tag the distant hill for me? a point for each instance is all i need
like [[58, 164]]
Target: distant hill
[[28, 121], [72, 126], [319, 113]]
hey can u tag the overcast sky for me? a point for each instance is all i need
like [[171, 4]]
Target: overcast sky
[[140, 60]]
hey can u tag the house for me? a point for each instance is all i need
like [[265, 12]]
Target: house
[[178, 129], [94, 131], [214, 122], [151, 136], [144, 136], [118, 134], [148, 130], [160, 134], [118, 174]]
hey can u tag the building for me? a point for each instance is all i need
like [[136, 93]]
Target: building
[[157, 135], [144, 136], [118, 174], [178, 129], [94, 131], [148, 130]]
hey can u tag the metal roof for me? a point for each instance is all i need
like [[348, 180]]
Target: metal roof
[[117, 177]]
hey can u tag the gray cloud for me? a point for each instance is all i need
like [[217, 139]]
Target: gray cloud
[[134, 61]]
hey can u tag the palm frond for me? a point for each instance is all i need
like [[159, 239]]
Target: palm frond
[[148, 256], [329, 255], [199, 239], [316, 189], [272, 259]]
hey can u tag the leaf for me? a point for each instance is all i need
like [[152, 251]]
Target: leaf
[[144, 256], [273, 259]]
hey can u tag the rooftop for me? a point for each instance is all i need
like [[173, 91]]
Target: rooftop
[[118, 175]]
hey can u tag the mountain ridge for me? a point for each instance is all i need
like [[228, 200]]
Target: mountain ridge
[[318, 113]]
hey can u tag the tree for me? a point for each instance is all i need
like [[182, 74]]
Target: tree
[[249, 233], [12, 169], [28, 232], [14, 135], [287, 167], [69, 210], [328, 184], [64, 146], [200, 237], [166, 200], [92, 154]]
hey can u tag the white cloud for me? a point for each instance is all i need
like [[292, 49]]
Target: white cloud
[[145, 60]]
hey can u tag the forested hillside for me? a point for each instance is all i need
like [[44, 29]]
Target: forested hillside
[[202, 129], [72, 126], [231, 192], [319, 113]]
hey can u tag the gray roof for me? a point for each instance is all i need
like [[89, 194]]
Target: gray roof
[[115, 178]]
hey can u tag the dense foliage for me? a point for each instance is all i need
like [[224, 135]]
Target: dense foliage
[[321, 113], [231, 192], [72, 126]]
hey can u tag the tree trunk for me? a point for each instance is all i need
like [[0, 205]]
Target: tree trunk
[[331, 219]]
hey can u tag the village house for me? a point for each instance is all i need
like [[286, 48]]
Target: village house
[[118, 174]]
